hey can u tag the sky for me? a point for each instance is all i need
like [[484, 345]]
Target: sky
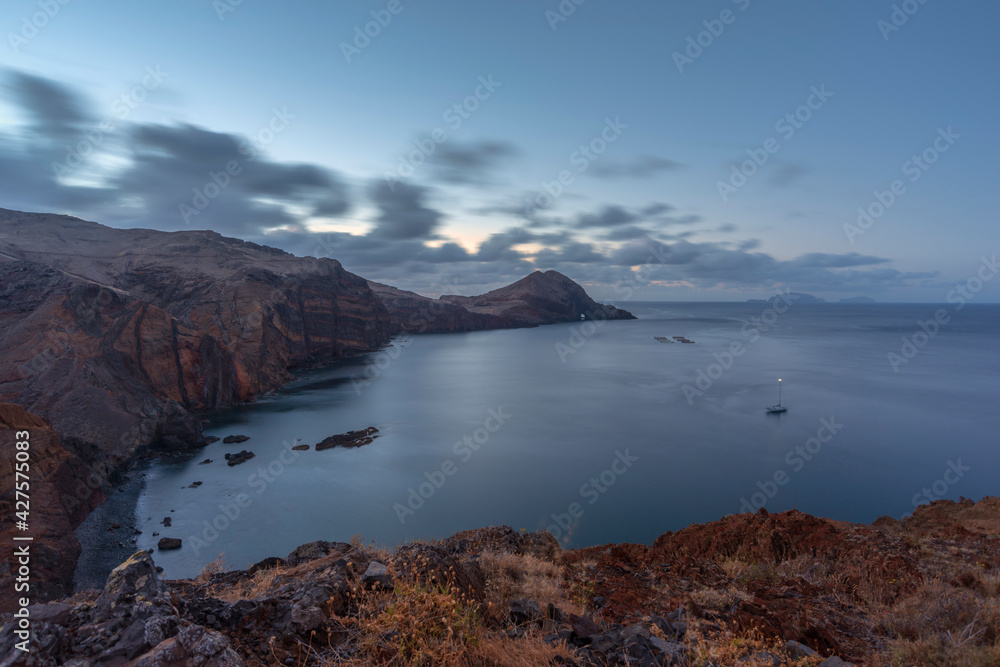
[[716, 151]]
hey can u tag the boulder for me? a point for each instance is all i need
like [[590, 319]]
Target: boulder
[[238, 458], [235, 439], [133, 581], [376, 577], [194, 645], [525, 612], [168, 543], [431, 566], [349, 440]]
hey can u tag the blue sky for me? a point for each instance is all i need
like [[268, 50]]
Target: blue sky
[[328, 181]]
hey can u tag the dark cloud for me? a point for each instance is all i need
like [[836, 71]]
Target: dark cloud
[[402, 213], [787, 174], [627, 233], [573, 253], [609, 216], [642, 166], [657, 208], [174, 172], [52, 107], [500, 246], [160, 169], [473, 163]]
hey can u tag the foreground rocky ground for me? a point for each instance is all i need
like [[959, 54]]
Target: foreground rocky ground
[[760, 589]]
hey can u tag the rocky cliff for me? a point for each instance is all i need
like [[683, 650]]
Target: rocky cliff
[[543, 297], [59, 493], [116, 336]]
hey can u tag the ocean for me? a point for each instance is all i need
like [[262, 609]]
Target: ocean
[[599, 432]]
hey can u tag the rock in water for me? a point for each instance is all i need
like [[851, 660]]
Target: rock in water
[[238, 458], [235, 439], [349, 439], [168, 543]]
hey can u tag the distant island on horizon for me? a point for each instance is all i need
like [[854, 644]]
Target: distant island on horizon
[[802, 297]]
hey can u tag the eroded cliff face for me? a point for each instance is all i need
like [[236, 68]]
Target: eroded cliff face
[[59, 496], [116, 336], [540, 298]]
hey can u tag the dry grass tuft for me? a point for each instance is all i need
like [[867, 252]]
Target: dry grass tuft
[[511, 577], [745, 649], [422, 622], [253, 587], [952, 623], [217, 566]]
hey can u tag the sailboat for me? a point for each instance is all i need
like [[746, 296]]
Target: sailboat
[[774, 409]]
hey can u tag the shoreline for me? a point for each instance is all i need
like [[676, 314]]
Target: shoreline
[[102, 549]]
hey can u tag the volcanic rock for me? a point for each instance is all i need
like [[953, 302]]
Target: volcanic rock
[[239, 457], [349, 440]]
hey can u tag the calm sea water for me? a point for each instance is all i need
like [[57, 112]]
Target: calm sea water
[[599, 439]]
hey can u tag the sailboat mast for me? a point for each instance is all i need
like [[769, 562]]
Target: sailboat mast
[[779, 391]]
